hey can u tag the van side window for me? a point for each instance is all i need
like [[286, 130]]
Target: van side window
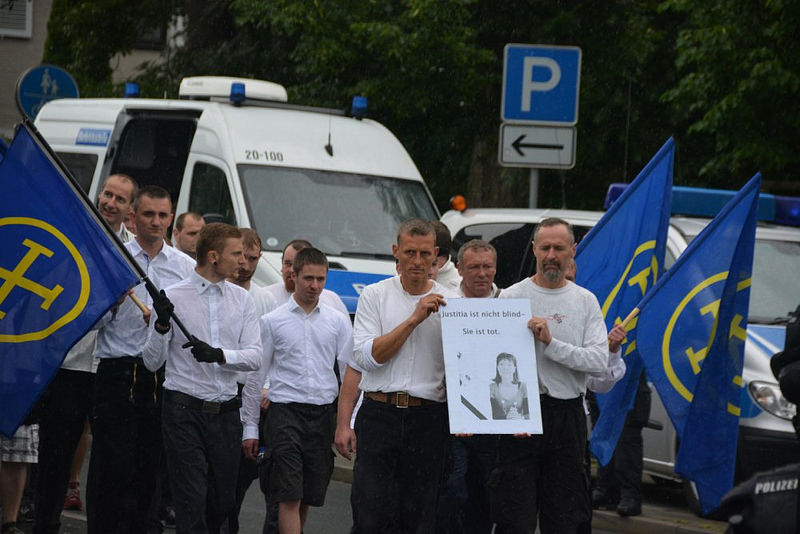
[[81, 166], [210, 195]]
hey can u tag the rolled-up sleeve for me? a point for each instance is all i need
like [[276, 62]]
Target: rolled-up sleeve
[[366, 328]]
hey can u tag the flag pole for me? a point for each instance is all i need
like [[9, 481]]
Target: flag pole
[[148, 284]]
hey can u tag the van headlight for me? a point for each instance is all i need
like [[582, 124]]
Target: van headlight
[[768, 397]]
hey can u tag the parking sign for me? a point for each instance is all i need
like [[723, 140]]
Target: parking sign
[[541, 84]]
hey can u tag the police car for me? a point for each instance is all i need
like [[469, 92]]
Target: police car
[[236, 150], [766, 436]]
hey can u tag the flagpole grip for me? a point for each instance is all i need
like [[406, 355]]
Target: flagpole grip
[[138, 302], [153, 290], [634, 312]]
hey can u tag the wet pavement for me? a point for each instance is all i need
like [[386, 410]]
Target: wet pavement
[[664, 511]]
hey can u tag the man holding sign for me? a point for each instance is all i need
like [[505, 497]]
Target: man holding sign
[[402, 424], [545, 472]]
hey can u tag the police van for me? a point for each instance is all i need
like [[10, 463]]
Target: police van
[[235, 150], [766, 436]]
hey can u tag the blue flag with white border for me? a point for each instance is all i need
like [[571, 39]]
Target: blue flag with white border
[[692, 331], [618, 261], [59, 273]]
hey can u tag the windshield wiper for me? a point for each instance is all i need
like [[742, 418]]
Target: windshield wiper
[[370, 255]]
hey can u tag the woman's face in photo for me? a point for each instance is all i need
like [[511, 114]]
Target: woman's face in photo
[[506, 369]]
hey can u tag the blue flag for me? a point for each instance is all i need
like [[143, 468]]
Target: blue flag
[[59, 273], [618, 260], [692, 329]]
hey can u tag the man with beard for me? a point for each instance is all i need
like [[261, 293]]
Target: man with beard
[[265, 303], [543, 475], [282, 291]]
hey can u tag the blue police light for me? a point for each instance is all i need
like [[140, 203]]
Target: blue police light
[[613, 193], [700, 202], [359, 107], [237, 93], [131, 90], [787, 210]]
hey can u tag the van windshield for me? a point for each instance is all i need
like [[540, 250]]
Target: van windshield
[[775, 291], [342, 214]]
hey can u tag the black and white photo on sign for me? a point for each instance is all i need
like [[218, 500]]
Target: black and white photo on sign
[[490, 367]]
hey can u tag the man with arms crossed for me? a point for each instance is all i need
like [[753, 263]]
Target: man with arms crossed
[[302, 341], [402, 425], [200, 420], [543, 475]]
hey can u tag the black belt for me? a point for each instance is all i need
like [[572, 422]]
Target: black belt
[[552, 402], [193, 403]]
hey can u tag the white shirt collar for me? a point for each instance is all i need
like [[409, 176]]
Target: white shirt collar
[[202, 285]]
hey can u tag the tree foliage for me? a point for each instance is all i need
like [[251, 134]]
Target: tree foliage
[[738, 81], [720, 76]]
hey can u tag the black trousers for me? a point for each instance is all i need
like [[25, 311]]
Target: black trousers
[[542, 477], [202, 452], [622, 476], [464, 501], [399, 467], [126, 446], [66, 405]]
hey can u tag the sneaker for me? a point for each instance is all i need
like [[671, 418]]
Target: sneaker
[[73, 499]]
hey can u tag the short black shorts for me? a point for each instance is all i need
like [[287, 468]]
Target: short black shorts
[[298, 459]]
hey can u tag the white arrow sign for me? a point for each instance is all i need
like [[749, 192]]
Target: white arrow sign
[[547, 147]]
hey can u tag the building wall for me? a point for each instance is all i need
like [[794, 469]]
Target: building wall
[[17, 56]]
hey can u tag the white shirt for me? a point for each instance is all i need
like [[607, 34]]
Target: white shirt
[[299, 354], [418, 367], [263, 300], [124, 333], [223, 315], [493, 295], [264, 303], [448, 275], [278, 290], [124, 234], [613, 374], [81, 356], [579, 345]]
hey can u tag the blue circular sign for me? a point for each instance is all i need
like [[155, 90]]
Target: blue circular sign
[[42, 84]]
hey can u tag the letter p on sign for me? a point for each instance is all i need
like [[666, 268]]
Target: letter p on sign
[[541, 84], [529, 86]]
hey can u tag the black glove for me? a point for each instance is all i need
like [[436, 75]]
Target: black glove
[[203, 352], [164, 308]]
